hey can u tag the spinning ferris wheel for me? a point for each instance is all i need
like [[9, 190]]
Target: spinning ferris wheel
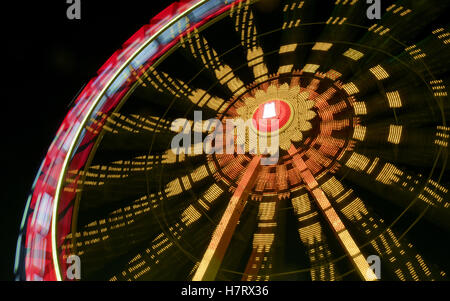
[[362, 160]]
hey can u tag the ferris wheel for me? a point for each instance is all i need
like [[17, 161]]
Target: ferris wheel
[[134, 184]]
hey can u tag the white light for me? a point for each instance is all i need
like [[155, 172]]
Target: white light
[[269, 110]]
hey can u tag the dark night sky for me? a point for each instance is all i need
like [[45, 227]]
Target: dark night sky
[[49, 58]]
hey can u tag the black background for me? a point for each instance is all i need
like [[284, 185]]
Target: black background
[[48, 59]]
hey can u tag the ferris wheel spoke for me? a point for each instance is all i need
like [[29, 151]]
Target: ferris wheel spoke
[[200, 49], [100, 174], [393, 143], [372, 173], [179, 237], [245, 27], [161, 89], [129, 226], [97, 203]]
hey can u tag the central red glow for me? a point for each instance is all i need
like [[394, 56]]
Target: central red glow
[[273, 109]]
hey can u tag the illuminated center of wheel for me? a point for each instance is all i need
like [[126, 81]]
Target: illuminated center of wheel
[[269, 111]]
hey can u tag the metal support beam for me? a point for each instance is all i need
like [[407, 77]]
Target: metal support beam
[[342, 234], [212, 259]]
